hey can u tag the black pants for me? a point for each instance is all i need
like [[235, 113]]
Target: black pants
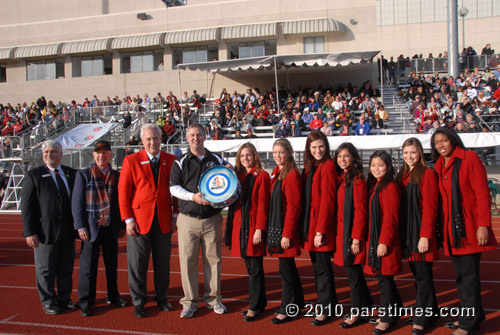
[[360, 294], [389, 296], [139, 249], [426, 294], [89, 260], [469, 288], [256, 283], [291, 292], [324, 279]]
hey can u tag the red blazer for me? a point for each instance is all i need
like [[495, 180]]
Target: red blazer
[[389, 199], [259, 212], [476, 201], [321, 220], [360, 222], [291, 188], [428, 207], [137, 193]]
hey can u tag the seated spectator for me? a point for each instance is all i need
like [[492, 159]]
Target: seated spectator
[[159, 121], [337, 104], [281, 132], [362, 128], [487, 50], [237, 134], [316, 123], [169, 131], [331, 120], [307, 117], [245, 125], [298, 122], [326, 129], [435, 125], [377, 122], [473, 128], [216, 133], [382, 112], [321, 114], [428, 125], [294, 130], [250, 133]]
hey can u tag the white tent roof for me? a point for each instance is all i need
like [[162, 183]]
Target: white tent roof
[[283, 61]]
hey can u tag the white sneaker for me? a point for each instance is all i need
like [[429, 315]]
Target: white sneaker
[[187, 312], [218, 308]]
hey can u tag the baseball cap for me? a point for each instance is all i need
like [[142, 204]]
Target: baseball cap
[[102, 145]]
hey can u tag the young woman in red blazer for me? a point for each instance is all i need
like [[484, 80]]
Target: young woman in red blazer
[[466, 225], [418, 219], [283, 239], [245, 231], [317, 219], [352, 228], [384, 243]]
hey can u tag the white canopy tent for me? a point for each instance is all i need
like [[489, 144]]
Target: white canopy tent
[[302, 63]]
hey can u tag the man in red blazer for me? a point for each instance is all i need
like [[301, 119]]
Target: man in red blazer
[[147, 208]]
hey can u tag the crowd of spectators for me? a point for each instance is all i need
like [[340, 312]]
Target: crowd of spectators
[[468, 103], [333, 111]]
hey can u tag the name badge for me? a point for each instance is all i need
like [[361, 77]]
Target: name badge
[[46, 175], [145, 162]]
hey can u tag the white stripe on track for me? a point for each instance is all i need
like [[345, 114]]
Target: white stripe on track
[[48, 325]]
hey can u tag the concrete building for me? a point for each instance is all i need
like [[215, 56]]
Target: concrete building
[[67, 50]]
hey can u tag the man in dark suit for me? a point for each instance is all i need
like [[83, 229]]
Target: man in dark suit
[[48, 227], [97, 218], [147, 208]]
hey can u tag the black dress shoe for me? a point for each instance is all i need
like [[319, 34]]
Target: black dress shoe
[[409, 321], [261, 310], [277, 321], [86, 311], [450, 324], [165, 305], [68, 304], [251, 318], [139, 311], [358, 321], [117, 302], [51, 309], [416, 331], [373, 321], [316, 322], [377, 331]]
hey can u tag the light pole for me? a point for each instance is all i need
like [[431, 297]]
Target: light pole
[[463, 13]]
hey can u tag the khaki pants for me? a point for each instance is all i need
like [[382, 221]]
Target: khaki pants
[[193, 235]]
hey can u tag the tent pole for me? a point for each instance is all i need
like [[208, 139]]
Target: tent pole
[[180, 95], [382, 77], [276, 83]]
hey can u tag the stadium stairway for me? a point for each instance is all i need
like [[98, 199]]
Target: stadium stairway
[[399, 118]]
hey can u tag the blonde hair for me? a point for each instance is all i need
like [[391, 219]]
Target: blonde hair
[[240, 168], [290, 161]]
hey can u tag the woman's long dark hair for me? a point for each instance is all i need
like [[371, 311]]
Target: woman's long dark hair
[[356, 169], [418, 171], [389, 174], [310, 161], [238, 166], [453, 137]]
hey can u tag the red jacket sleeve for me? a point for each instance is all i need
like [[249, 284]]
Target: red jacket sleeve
[[389, 199], [328, 191], [292, 189], [125, 189], [479, 181], [430, 201], [360, 200], [261, 191]]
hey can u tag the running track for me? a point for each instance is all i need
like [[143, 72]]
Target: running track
[[21, 313]]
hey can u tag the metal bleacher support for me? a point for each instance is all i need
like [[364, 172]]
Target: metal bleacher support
[[12, 197]]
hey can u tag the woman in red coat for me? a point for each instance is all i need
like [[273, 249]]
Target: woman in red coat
[[317, 227], [245, 233], [352, 228], [283, 238], [466, 223], [418, 218], [384, 244]]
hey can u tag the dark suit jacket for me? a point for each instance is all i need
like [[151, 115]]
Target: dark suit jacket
[[41, 207], [79, 207]]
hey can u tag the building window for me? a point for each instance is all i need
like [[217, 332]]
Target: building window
[[45, 70], [92, 66], [194, 54], [3, 73], [146, 61], [314, 45], [251, 49]]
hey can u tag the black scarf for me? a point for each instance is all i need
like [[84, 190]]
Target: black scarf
[[305, 215], [457, 219], [275, 224], [348, 223], [411, 220], [228, 234], [246, 204], [373, 260]]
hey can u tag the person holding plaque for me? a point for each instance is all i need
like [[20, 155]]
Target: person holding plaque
[[283, 238], [246, 225]]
